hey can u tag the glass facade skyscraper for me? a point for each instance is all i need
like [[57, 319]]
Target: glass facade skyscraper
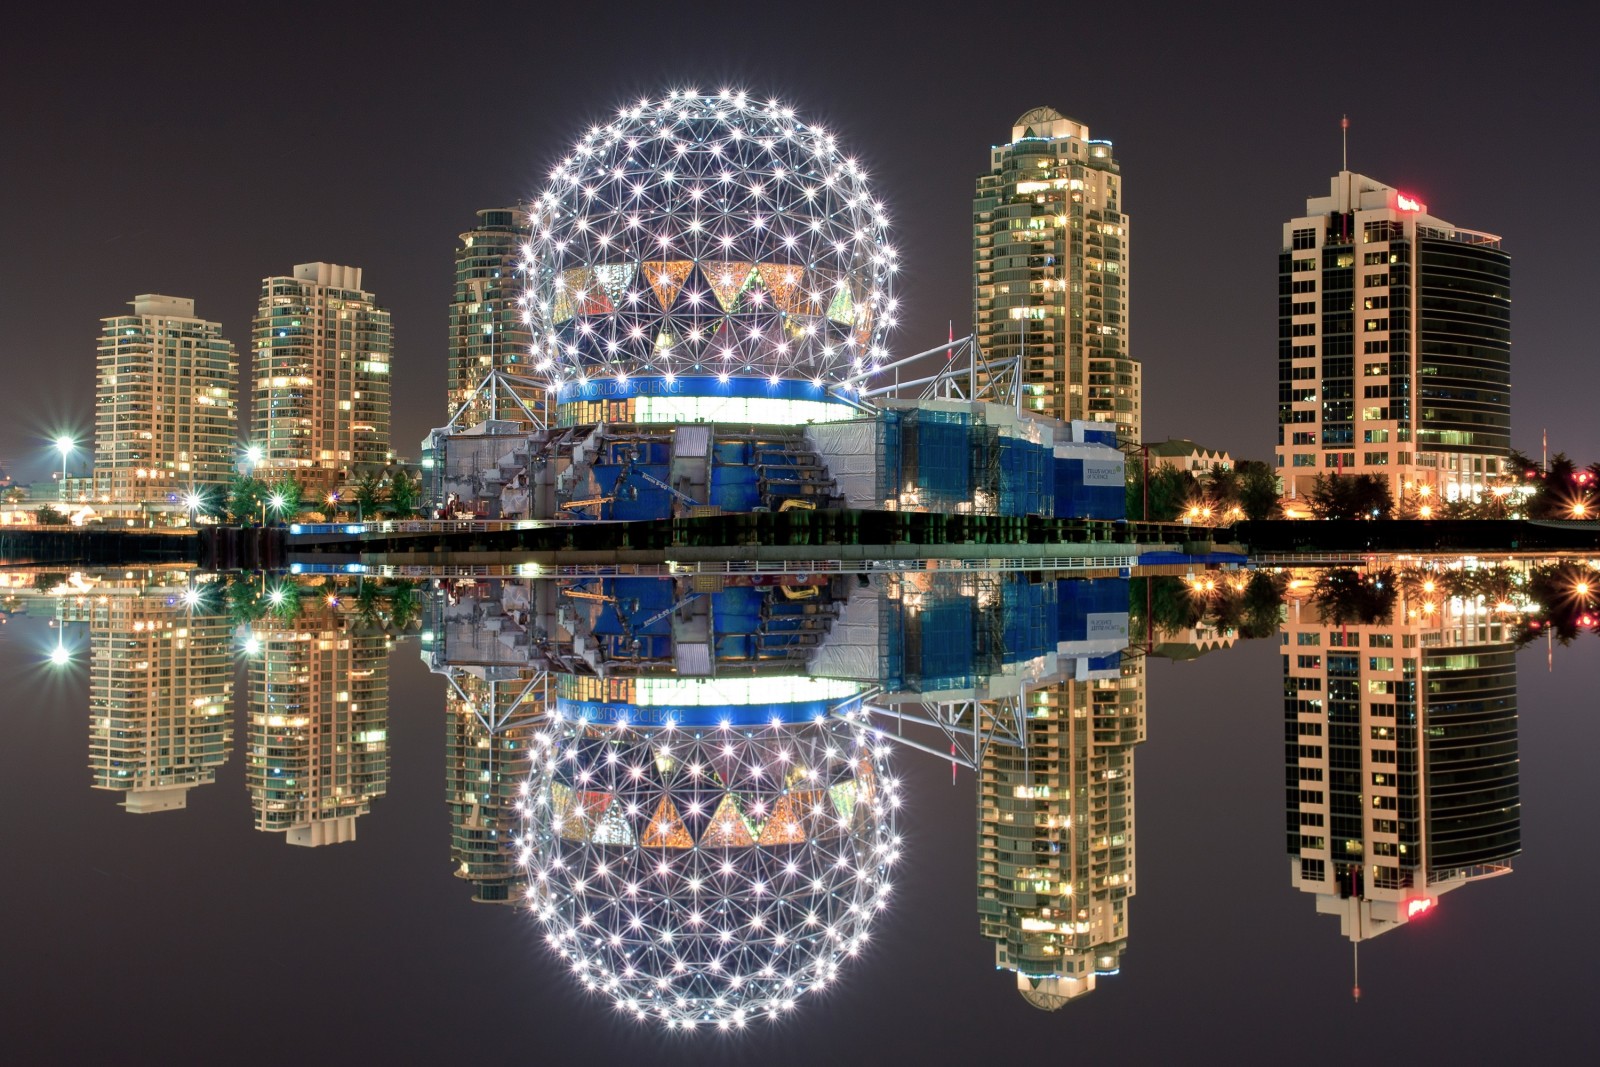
[[1394, 345]]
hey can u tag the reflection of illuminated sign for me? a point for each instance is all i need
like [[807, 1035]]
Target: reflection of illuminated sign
[[1417, 907], [1408, 204]]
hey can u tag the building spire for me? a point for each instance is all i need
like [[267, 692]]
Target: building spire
[[1355, 988], [1344, 139]]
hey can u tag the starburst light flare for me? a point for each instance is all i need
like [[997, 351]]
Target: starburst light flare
[[708, 877], [708, 235]]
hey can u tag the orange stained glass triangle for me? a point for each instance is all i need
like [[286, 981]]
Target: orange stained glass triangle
[[666, 829], [786, 283], [727, 279], [784, 827], [666, 278], [728, 828]]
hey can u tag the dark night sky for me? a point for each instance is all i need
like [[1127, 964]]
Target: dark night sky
[[193, 152]]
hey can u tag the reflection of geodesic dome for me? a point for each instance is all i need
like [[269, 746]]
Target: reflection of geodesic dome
[[709, 235], [708, 876]]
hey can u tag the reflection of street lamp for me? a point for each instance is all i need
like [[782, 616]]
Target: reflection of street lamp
[[64, 445]]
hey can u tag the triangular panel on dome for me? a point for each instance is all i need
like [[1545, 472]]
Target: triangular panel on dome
[[666, 828], [560, 800], [786, 283], [562, 309], [753, 295], [666, 278], [842, 308], [615, 278], [786, 826], [613, 828], [727, 279], [844, 797], [728, 827]]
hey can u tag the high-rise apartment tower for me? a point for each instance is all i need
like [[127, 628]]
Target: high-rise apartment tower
[[322, 359], [1050, 272], [1394, 345], [487, 330], [166, 406]]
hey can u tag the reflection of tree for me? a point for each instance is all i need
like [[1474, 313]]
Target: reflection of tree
[[1345, 596], [1568, 595], [1249, 605]]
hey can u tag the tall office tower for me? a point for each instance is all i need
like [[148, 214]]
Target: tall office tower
[[160, 693], [318, 720], [1401, 752], [322, 357], [166, 406], [1050, 272], [489, 725], [487, 330], [1055, 836], [1394, 345]]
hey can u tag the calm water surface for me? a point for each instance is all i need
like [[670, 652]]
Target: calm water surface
[[201, 933]]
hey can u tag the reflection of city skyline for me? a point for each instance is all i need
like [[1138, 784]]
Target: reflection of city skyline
[[160, 692], [1417, 718], [1401, 752], [318, 719]]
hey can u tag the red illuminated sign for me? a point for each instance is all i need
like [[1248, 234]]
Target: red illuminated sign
[[1417, 907], [1408, 204]]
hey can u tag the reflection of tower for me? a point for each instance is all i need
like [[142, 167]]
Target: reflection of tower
[[1401, 746], [488, 727], [160, 685], [319, 715], [1055, 836]]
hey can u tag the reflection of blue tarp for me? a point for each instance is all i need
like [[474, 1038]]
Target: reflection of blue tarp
[[1092, 608], [1031, 621]]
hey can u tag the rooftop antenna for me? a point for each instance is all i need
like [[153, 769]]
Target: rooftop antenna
[[1344, 138], [1355, 990]]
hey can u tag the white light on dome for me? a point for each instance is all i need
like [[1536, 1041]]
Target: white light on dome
[[710, 227]]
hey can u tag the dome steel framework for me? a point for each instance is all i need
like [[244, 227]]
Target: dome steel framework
[[710, 236], [708, 877]]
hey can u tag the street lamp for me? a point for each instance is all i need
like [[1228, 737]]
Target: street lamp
[[276, 502], [254, 454], [64, 445], [192, 502]]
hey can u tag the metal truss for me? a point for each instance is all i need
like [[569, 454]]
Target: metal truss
[[527, 707], [490, 389], [968, 727], [964, 373]]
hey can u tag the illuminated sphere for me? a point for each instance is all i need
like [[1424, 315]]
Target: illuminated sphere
[[708, 235], [707, 877]]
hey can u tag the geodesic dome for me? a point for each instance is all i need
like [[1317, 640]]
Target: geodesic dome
[[708, 235], [708, 877]]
